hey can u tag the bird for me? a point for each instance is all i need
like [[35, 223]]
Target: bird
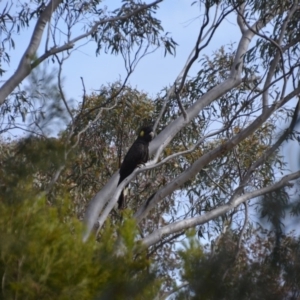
[[137, 155]]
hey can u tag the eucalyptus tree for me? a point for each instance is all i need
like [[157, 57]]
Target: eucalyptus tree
[[245, 90], [217, 148]]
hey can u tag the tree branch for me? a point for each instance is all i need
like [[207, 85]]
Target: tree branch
[[166, 135], [208, 157], [156, 236], [24, 67]]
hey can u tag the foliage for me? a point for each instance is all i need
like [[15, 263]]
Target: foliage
[[130, 30], [35, 107], [250, 273], [102, 146], [24, 170], [216, 158], [43, 257], [99, 149]]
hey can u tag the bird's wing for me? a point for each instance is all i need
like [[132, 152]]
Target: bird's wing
[[136, 155]]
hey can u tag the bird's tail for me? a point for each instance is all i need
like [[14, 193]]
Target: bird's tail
[[122, 198], [121, 201]]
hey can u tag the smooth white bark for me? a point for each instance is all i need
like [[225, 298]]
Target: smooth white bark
[[165, 137], [24, 67], [159, 234]]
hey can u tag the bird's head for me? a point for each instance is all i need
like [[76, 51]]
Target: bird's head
[[146, 133]]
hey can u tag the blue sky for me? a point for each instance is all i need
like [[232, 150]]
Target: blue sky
[[154, 72]]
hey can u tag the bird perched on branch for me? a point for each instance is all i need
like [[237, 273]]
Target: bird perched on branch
[[138, 154]]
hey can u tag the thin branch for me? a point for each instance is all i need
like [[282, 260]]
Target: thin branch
[[278, 54], [269, 151], [23, 129], [51, 52], [176, 289], [197, 48], [24, 67], [57, 174], [163, 108], [208, 157], [84, 94], [243, 230], [165, 241], [167, 134], [215, 183], [185, 116], [156, 236], [248, 35], [191, 59], [239, 244], [62, 94], [152, 164], [113, 19]]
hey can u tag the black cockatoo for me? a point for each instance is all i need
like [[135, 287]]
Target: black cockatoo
[[137, 154]]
